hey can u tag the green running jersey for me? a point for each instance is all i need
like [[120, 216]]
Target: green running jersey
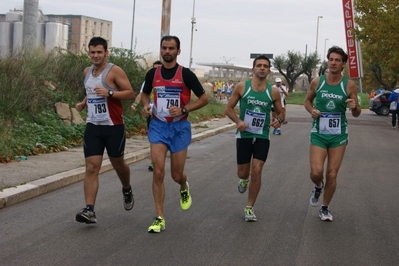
[[255, 108], [330, 101]]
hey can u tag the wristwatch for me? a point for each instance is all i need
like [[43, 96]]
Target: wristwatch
[[183, 110], [110, 93]]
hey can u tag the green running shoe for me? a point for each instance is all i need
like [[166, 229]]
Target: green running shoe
[[185, 198], [249, 214], [242, 185], [157, 226]]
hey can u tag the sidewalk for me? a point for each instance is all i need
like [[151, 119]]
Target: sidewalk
[[43, 173]]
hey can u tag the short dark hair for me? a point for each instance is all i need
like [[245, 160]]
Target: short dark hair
[[168, 38], [98, 41], [338, 50], [157, 63], [262, 56]]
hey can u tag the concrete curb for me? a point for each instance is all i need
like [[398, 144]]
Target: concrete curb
[[14, 195]]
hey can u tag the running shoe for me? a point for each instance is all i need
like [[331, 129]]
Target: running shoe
[[128, 200], [185, 198], [278, 131], [249, 214], [274, 131], [325, 214], [315, 195], [242, 185], [86, 216], [151, 168], [157, 226]]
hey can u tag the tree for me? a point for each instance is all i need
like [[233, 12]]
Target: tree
[[377, 30], [293, 65]]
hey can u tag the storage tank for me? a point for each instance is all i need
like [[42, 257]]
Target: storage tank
[[13, 16], [64, 38], [17, 36], [6, 38], [41, 27], [53, 35]]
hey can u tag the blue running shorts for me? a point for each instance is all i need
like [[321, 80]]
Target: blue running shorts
[[175, 135]]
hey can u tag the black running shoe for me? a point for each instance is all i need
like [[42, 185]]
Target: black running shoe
[[86, 216]]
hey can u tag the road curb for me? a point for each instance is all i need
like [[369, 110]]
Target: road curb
[[14, 195]]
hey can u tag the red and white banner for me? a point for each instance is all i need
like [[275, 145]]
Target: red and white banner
[[351, 45]]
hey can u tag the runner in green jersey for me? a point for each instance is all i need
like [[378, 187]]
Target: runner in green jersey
[[256, 99], [332, 93]]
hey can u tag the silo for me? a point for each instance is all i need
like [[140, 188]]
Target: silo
[[13, 16], [6, 38], [41, 27], [64, 38], [53, 35], [17, 37]]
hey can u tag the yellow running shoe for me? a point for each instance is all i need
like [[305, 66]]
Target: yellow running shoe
[[250, 214], [185, 198], [157, 226]]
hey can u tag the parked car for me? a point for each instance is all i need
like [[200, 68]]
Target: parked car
[[380, 104]]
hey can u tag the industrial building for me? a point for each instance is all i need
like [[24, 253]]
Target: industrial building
[[71, 32]]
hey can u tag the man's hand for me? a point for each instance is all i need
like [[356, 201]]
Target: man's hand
[[80, 106], [351, 104], [241, 126], [175, 111], [146, 111], [275, 123], [315, 113]]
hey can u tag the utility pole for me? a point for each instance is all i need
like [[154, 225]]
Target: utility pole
[[165, 20], [131, 38], [192, 36], [29, 28]]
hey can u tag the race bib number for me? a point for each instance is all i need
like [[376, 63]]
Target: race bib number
[[330, 123], [255, 121], [97, 109], [167, 100]]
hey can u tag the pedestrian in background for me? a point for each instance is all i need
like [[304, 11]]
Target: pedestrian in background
[[394, 101], [138, 100]]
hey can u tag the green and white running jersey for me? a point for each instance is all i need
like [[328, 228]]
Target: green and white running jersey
[[330, 101], [255, 108]]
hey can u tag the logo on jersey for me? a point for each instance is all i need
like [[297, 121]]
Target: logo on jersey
[[257, 102], [331, 96], [178, 81], [330, 105]]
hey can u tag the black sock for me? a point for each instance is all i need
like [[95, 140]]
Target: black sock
[[126, 190], [324, 207], [90, 208]]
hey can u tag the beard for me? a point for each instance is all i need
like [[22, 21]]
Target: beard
[[168, 58]]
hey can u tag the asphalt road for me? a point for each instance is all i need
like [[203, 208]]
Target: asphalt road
[[42, 231]]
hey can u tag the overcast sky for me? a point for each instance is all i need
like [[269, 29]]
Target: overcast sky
[[227, 30]]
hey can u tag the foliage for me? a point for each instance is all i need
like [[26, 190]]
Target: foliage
[[293, 65], [377, 30], [298, 97], [129, 62]]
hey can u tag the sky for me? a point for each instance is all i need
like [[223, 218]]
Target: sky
[[227, 31]]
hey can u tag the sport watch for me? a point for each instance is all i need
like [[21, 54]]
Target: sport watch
[[183, 110], [110, 93]]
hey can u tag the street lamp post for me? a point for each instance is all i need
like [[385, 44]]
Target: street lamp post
[[131, 38], [317, 31], [193, 21], [325, 43]]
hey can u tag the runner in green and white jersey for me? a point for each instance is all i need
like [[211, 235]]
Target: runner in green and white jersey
[[256, 98], [332, 93]]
